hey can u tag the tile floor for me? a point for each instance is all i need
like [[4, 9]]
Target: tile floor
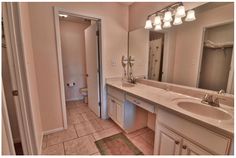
[[84, 128]]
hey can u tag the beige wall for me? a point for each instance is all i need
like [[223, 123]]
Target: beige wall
[[31, 73], [73, 57], [114, 43], [188, 43]]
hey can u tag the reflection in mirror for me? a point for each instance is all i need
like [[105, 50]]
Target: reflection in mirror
[[197, 54]]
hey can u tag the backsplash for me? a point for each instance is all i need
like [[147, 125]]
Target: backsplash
[[227, 99]]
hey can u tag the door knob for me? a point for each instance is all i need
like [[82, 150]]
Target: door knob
[[184, 147]]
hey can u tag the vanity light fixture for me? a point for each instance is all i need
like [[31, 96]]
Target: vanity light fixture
[[165, 16], [177, 21], [63, 15], [190, 16], [157, 20], [166, 25], [180, 12], [148, 24], [158, 27]]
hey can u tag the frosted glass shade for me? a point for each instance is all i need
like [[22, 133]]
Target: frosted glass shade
[[167, 17], [158, 27], [180, 12], [157, 20], [167, 25], [177, 21], [190, 16], [148, 24]]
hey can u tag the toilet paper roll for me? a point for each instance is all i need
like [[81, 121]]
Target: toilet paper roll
[[71, 84]]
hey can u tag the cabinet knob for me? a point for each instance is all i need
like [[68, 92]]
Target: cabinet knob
[[176, 142], [184, 147], [113, 101]]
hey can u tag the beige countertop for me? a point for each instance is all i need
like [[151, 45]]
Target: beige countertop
[[167, 100]]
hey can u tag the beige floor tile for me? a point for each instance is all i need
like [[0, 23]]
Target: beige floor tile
[[137, 133], [75, 119], [61, 136], [140, 143], [87, 127], [57, 149], [89, 115], [106, 123], [106, 133], [78, 110], [81, 146], [149, 137]]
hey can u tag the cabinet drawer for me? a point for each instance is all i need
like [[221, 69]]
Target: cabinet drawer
[[118, 94], [141, 103], [211, 141]]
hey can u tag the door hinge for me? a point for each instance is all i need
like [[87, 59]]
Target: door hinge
[[97, 33], [15, 92], [99, 103]]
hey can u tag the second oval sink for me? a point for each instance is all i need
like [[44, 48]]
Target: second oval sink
[[204, 110]]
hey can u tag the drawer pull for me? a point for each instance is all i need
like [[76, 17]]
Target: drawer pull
[[184, 147], [176, 142]]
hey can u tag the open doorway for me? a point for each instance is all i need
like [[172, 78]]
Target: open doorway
[[156, 48], [78, 45], [217, 58]]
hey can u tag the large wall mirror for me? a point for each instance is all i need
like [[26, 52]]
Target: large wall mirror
[[197, 54]]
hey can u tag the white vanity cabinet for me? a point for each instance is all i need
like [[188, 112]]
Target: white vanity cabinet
[[116, 106], [177, 136], [170, 143], [129, 116]]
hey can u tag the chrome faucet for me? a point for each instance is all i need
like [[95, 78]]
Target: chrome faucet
[[212, 100]]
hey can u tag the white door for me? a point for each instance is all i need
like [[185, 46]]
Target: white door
[[189, 148], [168, 142], [91, 46]]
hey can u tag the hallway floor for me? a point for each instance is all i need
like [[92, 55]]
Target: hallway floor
[[84, 128]]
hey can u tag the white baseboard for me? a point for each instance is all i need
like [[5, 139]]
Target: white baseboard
[[74, 99], [53, 131]]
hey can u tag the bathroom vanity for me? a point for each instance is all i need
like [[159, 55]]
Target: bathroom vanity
[[184, 126]]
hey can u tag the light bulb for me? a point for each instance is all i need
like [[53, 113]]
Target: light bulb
[[158, 27], [190, 16], [167, 17], [148, 24], [166, 25], [177, 21], [157, 20], [180, 12]]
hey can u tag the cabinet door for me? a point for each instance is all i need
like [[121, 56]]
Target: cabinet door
[[120, 113], [188, 148], [168, 142], [112, 107]]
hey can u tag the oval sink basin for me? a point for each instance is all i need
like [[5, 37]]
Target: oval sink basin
[[204, 110]]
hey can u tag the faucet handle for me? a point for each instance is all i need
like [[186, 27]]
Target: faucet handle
[[221, 91], [207, 98]]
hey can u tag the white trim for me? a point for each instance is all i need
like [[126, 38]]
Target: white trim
[[75, 99], [230, 83], [60, 66], [59, 59], [15, 53], [6, 124], [53, 131]]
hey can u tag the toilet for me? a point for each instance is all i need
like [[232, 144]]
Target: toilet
[[84, 92]]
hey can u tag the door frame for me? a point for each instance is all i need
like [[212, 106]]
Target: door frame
[[202, 48], [19, 80], [58, 10]]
